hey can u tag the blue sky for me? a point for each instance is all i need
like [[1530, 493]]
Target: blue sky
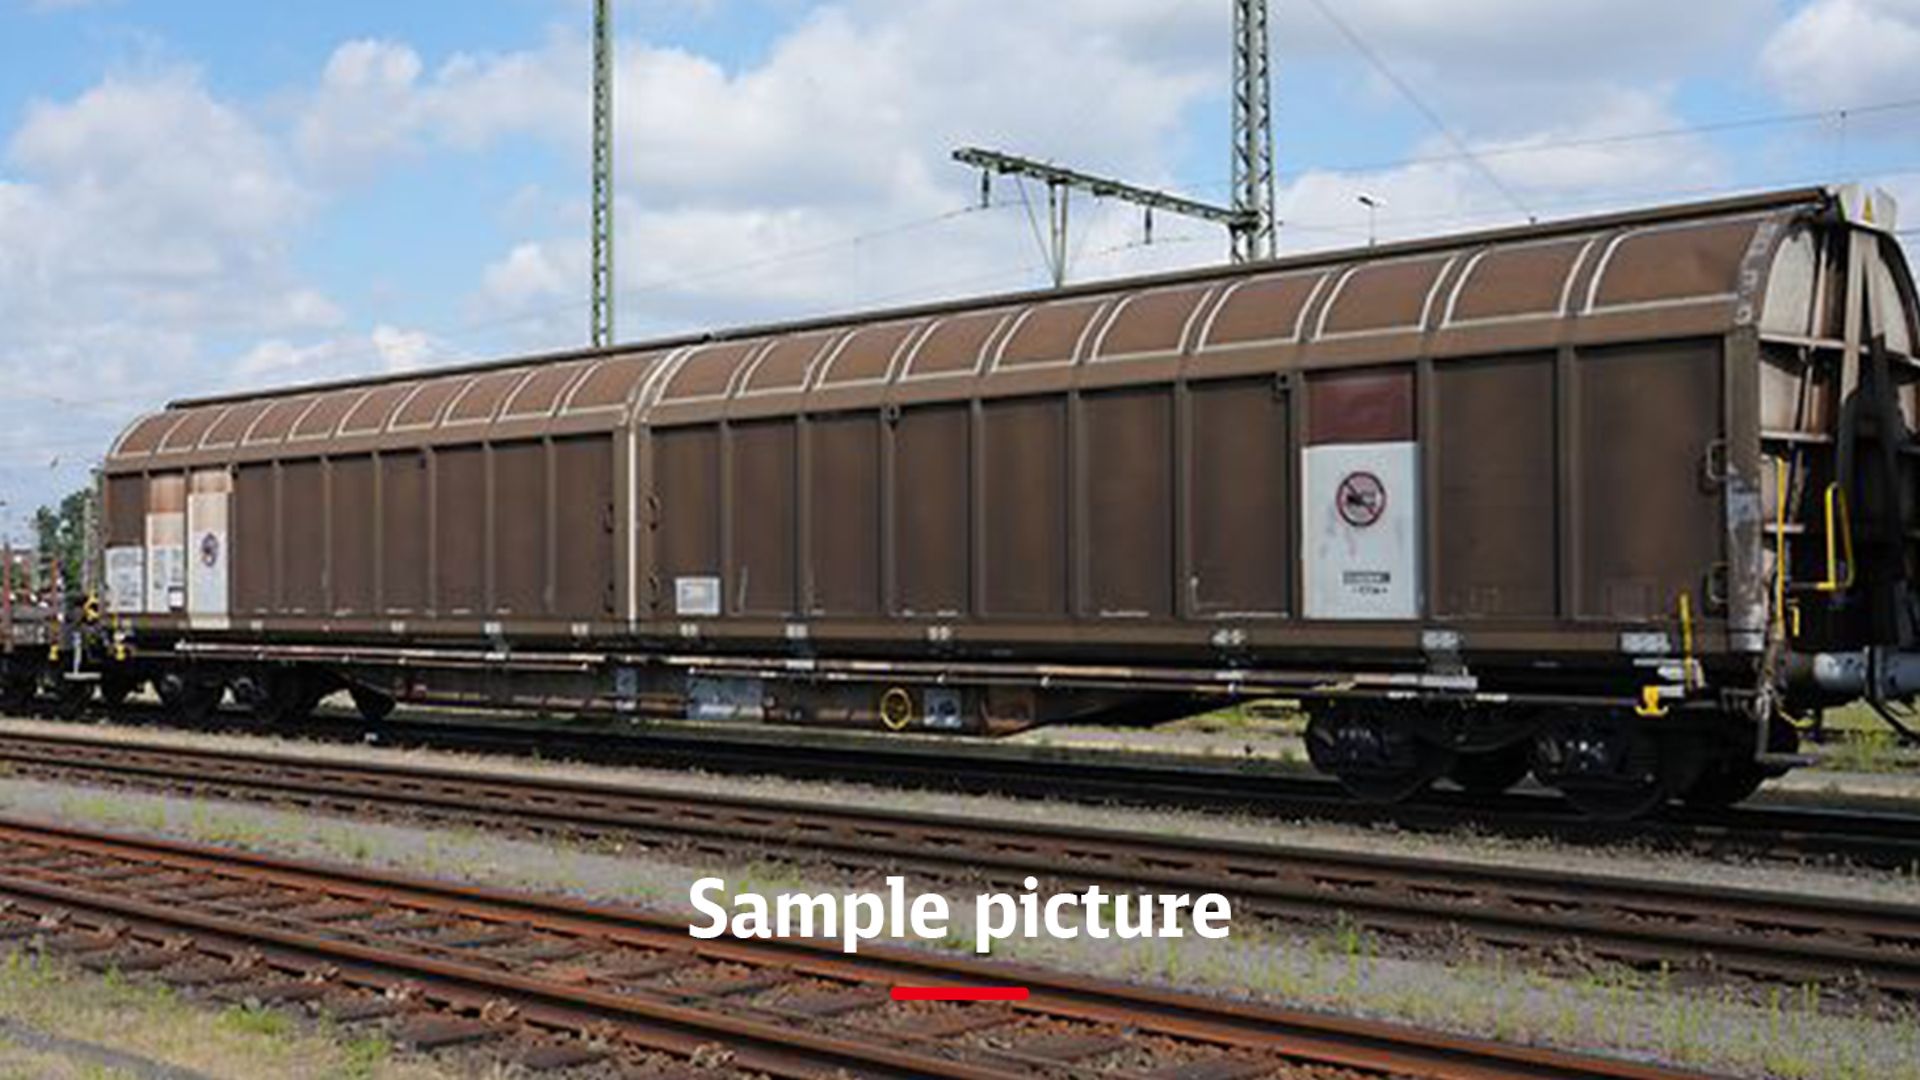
[[201, 196]]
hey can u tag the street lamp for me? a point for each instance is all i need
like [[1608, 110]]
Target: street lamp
[[1373, 218]]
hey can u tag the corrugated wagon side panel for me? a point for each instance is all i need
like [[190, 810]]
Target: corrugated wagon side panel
[[764, 506], [253, 520], [520, 529], [124, 527], [1528, 417], [1240, 477], [844, 489], [1496, 502], [1650, 525], [1363, 502], [303, 537], [1128, 472], [353, 540], [932, 500], [583, 490], [403, 532], [460, 522], [686, 463], [126, 508], [1025, 507]]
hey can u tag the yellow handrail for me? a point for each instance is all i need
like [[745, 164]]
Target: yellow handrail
[[1780, 548], [1686, 638], [1836, 496]]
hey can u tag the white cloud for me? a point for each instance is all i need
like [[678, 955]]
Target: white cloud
[[530, 272], [362, 114], [1846, 52], [407, 350], [845, 126], [146, 224], [147, 199], [386, 349], [142, 222], [1577, 167]]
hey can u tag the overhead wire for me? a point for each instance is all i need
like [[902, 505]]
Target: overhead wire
[[1677, 131], [1620, 194], [1543, 146], [439, 336], [1407, 91]]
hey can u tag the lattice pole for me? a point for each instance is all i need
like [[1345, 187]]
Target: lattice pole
[[1253, 169], [602, 315]]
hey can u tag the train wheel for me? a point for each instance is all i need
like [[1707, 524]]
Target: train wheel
[[71, 698], [1493, 771], [1375, 756], [374, 706], [191, 699], [278, 697], [117, 687], [16, 691], [1723, 784], [1611, 768]]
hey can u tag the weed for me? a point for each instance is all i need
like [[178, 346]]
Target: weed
[[256, 1020], [361, 1058]]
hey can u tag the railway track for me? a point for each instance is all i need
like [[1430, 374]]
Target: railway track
[[1760, 935], [559, 983], [1879, 839]]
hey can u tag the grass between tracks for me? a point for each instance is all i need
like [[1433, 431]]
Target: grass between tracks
[[148, 1020]]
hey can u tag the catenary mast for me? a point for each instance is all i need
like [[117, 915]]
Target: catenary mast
[[1251, 219], [1253, 169], [602, 315]]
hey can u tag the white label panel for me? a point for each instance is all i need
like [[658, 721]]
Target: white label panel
[[1362, 523], [207, 558], [166, 563], [126, 580], [697, 596]]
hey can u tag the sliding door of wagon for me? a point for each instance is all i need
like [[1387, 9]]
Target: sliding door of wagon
[[583, 500], [1241, 490], [1128, 538], [1495, 445], [209, 547], [1650, 526], [126, 544], [1360, 497]]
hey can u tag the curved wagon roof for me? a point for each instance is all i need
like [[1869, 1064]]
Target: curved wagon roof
[[1700, 270]]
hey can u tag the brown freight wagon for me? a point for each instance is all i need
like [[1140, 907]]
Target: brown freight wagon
[[1491, 502]]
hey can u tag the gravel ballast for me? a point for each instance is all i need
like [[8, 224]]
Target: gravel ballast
[[1683, 1017]]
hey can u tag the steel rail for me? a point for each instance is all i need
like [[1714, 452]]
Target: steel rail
[[1761, 934], [1879, 839], [114, 887], [1885, 840]]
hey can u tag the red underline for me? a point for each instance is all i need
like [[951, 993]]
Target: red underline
[[959, 993]]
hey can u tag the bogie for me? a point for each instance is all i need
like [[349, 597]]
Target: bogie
[[1378, 755], [1609, 765], [1490, 772]]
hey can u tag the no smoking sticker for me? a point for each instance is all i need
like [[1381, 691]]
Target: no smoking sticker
[[1361, 500]]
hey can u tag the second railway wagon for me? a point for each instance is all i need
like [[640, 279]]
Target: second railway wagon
[[1617, 500]]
